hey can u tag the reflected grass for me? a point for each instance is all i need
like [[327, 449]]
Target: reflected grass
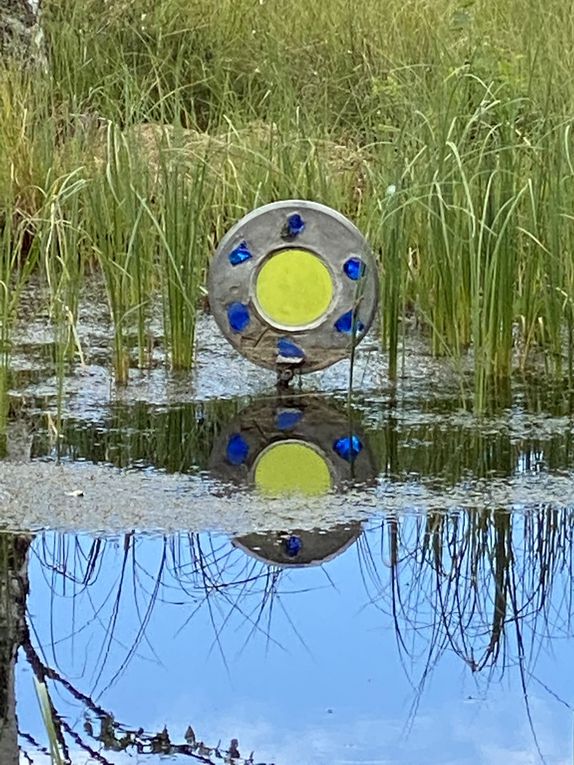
[[47, 711], [488, 586], [179, 440], [491, 586], [103, 734]]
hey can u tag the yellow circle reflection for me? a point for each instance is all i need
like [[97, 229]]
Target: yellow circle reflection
[[294, 288], [291, 467]]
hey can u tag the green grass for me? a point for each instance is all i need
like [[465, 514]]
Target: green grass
[[443, 129], [47, 711]]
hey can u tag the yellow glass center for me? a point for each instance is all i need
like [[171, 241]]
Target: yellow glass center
[[291, 467], [294, 288]]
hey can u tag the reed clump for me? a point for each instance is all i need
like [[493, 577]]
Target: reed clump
[[444, 130]]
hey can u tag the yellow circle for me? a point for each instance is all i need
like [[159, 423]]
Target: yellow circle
[[291, 467], [294, 288]]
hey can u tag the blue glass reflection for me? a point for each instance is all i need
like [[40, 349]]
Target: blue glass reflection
[[237, 449], [292, 546], [288, 418], [238, 316], [348, 447]]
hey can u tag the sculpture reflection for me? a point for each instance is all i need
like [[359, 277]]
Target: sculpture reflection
[[299, 547], [300, 445], [297, 446]]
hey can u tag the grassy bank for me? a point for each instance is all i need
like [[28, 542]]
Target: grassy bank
[[443, 129]]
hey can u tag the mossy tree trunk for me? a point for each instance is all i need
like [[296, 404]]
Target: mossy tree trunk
[[21, 35]]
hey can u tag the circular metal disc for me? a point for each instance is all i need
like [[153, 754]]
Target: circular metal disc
[[293, 284]]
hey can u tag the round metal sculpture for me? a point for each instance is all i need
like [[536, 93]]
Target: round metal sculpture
[[293, 284]]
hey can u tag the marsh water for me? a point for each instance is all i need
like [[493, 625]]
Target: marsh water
[[200, 568]]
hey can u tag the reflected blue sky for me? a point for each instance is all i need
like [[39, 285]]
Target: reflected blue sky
[[320, 679]]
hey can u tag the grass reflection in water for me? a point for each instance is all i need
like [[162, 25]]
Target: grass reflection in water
[[489, 586]]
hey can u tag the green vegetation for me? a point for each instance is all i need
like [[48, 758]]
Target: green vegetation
[[443, 129], [47, 710]]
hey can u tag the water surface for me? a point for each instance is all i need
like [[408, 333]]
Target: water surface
[[412, 604]]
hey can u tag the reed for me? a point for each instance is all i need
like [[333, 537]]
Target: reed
[[122, 239], [47, 710], [445, 131], [184, 245]]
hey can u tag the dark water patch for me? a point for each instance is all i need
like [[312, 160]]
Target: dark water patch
[[276, 463], [175, 439], [444, 444]]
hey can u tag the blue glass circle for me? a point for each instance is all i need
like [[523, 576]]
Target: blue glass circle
[[354, 268], [348, 447], [237, 449], [238, 316], [292, 546], [347, 325], [289, 350], [240, 254], [295, 224]]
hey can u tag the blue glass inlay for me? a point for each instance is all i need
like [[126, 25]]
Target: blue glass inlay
[[238, 316], [294, 226], [345, 323], [288, 418], [348, 447], [354, 268], [237, 449], [289, 349], [292, 546], [240, 254]]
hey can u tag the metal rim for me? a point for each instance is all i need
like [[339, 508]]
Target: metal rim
[[258, 237]]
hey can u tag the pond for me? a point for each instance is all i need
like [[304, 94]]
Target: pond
[[201, 568]]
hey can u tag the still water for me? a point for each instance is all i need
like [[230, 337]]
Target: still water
[[203, 570]]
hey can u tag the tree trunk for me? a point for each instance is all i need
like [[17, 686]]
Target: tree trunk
[[21, 35], [13, 594]]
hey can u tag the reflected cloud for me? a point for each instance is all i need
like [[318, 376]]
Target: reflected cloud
[[449, 734]]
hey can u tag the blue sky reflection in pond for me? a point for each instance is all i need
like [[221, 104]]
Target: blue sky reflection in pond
[[322, 682]]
